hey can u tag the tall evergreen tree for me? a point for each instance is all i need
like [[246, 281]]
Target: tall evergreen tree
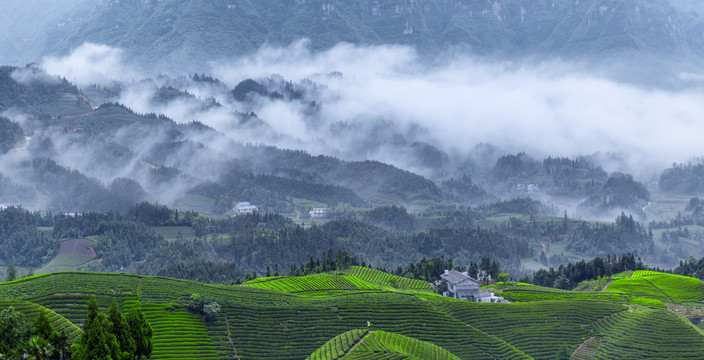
[[44, 329], [141, 333], [10, 273], [94, 342], [121, 330]]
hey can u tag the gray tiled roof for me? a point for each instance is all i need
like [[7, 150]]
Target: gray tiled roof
[[456, 277]]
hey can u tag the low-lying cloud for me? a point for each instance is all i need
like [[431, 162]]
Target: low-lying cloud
[[91, 64], [457, 101]]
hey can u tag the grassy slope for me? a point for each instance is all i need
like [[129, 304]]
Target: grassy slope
[[265, 324]]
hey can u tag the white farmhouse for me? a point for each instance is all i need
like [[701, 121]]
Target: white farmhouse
[[318, 212], [244, 208]]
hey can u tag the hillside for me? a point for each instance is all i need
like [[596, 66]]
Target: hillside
[[159, 30], [256, 323]]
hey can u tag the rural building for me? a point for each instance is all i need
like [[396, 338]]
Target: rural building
[[318, 212], [489, 297], [528, 189], [244, 208], [461, 286]]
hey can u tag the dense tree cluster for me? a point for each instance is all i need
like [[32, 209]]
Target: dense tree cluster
[[259, 240], [573, 177], [568, 276], [391, 217], [691, 267], [159, 215], [115, 336], [452, 216], [625, 234], [620, 191], [21, 242], [31, 89], [340, 261], [10, 133], [683, 178], [40, 341], [462, 190], [525, 206], [430, 269], [72, 191], [203, 271]]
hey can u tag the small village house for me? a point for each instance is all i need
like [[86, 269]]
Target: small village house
[[244, 208], [461, 286], [318, 213]]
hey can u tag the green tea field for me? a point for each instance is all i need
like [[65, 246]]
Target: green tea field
[[368, 314]]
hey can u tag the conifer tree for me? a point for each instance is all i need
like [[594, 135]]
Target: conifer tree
[[44, 328], [141, 333], [121, 330], [94, 342], [10, 273]]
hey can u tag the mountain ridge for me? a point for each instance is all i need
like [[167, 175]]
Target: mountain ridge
[[162, 30]]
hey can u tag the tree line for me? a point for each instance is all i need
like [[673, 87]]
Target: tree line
[[568, 276]]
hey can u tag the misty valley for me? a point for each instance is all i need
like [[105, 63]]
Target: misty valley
[[351, 180]]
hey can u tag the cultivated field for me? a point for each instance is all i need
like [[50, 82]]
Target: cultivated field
[[326, 315]]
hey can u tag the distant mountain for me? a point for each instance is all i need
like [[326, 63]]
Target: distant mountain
[[190, 32]]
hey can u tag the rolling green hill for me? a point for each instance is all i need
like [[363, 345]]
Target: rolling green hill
[[277, 322], [358, 344]]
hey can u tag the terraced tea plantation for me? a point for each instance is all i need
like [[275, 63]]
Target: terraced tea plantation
[[379, 277], [367, 314], [314, 283], [356, 344]]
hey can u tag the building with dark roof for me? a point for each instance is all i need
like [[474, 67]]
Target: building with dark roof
[[460, 285]]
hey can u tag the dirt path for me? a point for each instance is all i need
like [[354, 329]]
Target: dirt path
[[658, 289], [587, 349], [607, 285], [361, 340], [229, 338]]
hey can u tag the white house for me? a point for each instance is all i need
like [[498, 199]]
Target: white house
[[318, 212], [244, 208], [489, 297]]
